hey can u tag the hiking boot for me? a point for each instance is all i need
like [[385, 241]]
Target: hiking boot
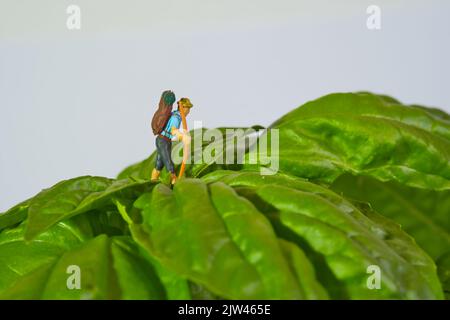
[[155, 175], [173, 178]]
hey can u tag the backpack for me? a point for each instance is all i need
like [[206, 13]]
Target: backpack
[[162, 114]]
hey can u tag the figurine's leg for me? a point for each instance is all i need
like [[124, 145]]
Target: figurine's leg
[[159, 162], [166, 151]]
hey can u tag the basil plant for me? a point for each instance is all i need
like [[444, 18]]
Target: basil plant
[[358, 208]]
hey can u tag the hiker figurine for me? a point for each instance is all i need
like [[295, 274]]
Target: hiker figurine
[[166, 124]]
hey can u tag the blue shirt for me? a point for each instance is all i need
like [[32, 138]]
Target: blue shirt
[[174, 121]]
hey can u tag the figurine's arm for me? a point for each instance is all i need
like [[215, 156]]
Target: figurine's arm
[[181, 135]]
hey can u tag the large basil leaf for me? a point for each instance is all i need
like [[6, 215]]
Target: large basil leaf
[[177, 287], [217, 143], [72, 197], [234, 144], [15, 215], [424, 214], [200, 232], [18, 257], [254, 236], [111, 268], [347, 237], [365, 134], [304, 271]]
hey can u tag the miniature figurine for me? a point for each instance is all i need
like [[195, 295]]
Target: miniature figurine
[[166, 124]]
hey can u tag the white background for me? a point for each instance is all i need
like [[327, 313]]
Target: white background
[[80, 102]]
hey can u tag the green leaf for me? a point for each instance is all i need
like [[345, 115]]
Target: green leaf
[[365, 134], [435, 112], [199, 292], [30, 285], [188, 236], [97, 279], [200, 232], [14, 215], [138, 279], [303, 270], [347, 237], [227, 152], [253, 234], [110, 268], [422, 213], [351, 243], [18, 257], [176, 287], [405, 246], [72, 197], [218, 143]]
